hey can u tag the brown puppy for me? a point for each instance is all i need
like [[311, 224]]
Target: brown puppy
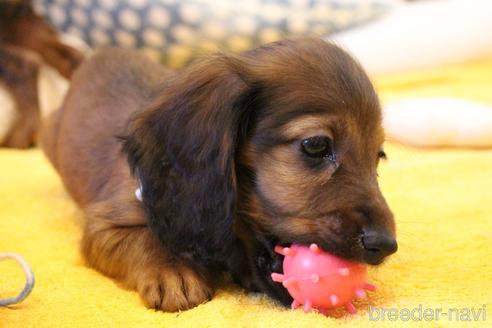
[[27, 42], [233, 156]]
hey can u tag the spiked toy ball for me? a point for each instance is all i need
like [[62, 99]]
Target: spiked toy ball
[[316, 279]]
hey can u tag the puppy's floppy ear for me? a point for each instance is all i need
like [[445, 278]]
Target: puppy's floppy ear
[[182, 150]]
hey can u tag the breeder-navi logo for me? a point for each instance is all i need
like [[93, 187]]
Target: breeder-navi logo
[[421, 313]]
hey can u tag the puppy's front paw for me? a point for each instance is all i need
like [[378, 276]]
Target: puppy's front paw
[[174, 288]]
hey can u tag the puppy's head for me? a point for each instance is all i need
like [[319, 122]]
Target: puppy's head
[[278, 145]]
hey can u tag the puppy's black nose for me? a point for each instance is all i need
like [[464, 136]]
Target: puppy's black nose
[[377, 245]]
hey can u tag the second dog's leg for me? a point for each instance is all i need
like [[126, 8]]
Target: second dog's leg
[[19, 74]]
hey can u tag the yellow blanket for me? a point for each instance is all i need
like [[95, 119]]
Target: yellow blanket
[[443, 205]]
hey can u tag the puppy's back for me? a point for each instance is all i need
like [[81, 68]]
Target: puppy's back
[[81, 138]]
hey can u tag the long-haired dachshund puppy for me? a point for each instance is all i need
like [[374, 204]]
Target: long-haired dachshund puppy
[[229, 157]]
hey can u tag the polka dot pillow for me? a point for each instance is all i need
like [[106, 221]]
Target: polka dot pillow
[[176, 31]]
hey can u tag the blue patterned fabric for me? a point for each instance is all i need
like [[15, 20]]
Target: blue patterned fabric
[[175, 31]]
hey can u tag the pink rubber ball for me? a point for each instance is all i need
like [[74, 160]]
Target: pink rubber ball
[[317, 279]]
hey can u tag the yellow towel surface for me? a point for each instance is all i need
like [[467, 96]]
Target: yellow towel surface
[[442, 200]]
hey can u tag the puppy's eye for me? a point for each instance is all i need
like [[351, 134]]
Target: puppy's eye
[[382, 154], [318, 146]]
